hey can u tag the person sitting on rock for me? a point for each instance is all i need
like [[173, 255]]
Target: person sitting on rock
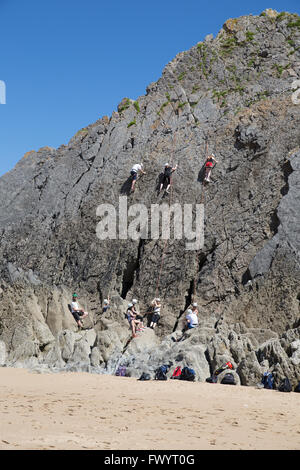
[[191, 319], [131, 317], [209, 164], [167, 176], [138, 316], [77, 312], [156, 312], [138, 167]]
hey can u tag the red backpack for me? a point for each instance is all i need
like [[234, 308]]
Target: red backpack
[[177, 373]]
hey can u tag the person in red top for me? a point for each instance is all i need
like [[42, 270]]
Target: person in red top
[[209, 164]]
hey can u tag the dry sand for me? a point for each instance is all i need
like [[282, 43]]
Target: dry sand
[[88, 411]]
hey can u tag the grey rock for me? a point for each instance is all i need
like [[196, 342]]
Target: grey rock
[[230, 95], [2, 353]]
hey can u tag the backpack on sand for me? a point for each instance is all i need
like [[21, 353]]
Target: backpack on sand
[[228, 379], [212, 380], [268, 380], [285, 386], [161, 373], [187, 374], [145, 376], [297, 388], [121, 371], [177, 373]]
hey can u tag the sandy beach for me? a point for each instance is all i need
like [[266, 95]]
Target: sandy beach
[[89, 411]]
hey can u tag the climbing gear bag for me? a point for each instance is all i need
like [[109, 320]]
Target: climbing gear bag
[[177, 373], [188, 373]]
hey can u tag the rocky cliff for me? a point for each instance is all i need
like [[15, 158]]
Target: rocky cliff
[[234, 95]]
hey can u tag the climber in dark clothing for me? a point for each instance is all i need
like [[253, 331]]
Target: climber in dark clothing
[[209, 164], [167, 176]]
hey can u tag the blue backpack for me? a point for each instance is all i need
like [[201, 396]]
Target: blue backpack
[[285, 385], [161, 372], [121, 371], [188, 374], [297, 388], [268, 380]]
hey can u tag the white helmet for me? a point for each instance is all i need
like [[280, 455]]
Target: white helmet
[[105, 301], [195, 304], [157, 300], [130, 305], [134, 301], [166, 164], [189, 311]]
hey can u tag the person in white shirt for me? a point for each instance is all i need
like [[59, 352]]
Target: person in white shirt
[[105, 305], [77, 312], [195, 308], [191, 319], [156, 312], [138, 167]]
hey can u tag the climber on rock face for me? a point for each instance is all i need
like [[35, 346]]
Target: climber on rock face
[[194, 308], [105, 305], [138, 167], [209, 164], [167, 176], [156, 312], [131, 317], [77, 312], [191, 319]]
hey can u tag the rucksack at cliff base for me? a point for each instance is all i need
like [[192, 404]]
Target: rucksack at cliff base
[[212, 380], [145, 376], [285, 385], [161, 372], [225, 366], [188, 373], [177, 373], [228, 379], [121, 371], [268, 380], [297, 388]]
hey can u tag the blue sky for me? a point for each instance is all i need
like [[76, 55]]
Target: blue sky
[[66, 63]]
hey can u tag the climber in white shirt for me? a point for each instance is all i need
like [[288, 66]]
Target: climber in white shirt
[[138, 167]]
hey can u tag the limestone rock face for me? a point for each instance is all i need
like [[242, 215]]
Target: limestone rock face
[[230, 95]]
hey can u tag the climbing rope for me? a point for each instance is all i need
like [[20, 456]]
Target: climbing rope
[[166, 241], [202, 201], [171, 195]]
